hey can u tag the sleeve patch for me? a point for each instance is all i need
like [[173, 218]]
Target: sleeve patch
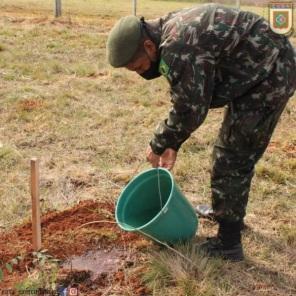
[[164, 69]]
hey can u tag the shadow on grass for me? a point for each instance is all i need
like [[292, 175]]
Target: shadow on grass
[[253, 276], [259, 276], [256, 275]]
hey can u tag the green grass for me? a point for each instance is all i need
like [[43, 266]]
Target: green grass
[[61, 102], [170, 274]]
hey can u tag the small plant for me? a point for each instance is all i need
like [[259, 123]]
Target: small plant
[[42, 269], [9, 266], [41, 258], [43, 272]]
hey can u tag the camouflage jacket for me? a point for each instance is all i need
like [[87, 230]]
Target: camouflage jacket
[[210, 55]]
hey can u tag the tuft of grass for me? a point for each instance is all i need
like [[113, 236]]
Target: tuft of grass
[[288, 234], [9, 156], [275, 174], [84, 70], [168, 271]]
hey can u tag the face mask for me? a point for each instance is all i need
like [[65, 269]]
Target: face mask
[[152, 72]]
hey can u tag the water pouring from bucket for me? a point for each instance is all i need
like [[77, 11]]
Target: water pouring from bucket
[[152, 204]]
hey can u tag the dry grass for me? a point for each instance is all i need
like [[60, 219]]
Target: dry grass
[[90, 124]]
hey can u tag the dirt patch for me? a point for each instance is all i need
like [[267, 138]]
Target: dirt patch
[[30, 105], [97, 262], [288, 148], [99, 251]]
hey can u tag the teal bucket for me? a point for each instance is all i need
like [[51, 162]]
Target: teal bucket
[[169, 219]]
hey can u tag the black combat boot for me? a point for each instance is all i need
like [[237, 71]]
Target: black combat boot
[[227, 244]]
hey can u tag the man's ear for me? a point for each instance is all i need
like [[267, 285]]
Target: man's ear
[[151, 49]]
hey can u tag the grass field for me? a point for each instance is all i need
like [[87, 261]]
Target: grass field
[[90, 125]]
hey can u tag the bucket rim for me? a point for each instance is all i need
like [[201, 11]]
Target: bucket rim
[[131, 228]]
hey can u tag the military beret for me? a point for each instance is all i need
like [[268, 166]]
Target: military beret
[[123, 41]]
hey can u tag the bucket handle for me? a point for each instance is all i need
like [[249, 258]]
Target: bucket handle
[[163, 243]]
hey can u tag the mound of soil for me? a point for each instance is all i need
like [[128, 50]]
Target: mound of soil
[[81, 246]]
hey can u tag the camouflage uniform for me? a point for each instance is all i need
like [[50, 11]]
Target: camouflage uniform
[[214, 56]]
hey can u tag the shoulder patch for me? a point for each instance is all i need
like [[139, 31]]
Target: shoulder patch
[[163, 68]]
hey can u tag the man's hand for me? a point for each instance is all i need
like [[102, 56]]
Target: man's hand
[[166, 160], [152, 157]]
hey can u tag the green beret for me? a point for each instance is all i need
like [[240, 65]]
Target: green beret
[[123, 41]]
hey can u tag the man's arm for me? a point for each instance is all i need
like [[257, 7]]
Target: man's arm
[[192, 81]]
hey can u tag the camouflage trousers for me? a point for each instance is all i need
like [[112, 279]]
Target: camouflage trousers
[[248, 124]]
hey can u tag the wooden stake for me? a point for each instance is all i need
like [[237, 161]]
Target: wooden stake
[[58, 8], [36, 222], [135, 7]]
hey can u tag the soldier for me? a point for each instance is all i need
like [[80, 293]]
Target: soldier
[[213, 56]]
